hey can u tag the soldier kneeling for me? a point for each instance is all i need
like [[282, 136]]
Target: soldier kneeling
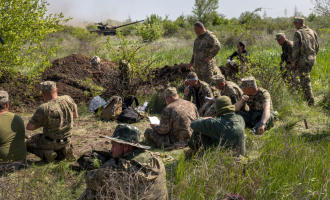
[[56, 117]]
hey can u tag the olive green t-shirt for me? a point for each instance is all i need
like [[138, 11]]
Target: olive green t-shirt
[[56, 117], [12, 138]]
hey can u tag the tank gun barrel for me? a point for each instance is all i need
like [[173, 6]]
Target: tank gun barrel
[[128, 24]]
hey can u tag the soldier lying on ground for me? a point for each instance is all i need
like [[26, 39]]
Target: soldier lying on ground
[[56, 117], [233, 67], [197, 89], [226, 129], [259, 117], [174, 125], [12, 134], [228, 88], [206, 47], [130, 173], [289, 74]]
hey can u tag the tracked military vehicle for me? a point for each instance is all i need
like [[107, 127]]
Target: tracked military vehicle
[[105, 29]]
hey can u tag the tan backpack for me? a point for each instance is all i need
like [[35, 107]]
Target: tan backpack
[[112, 108]]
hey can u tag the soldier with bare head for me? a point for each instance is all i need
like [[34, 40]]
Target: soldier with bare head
[[288, 73], [304, 51], [260, 116], [236, 63], [56, 117], [206, 47], [174, 126]]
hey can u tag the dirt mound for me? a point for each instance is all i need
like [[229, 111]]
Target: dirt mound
[[169, 74]]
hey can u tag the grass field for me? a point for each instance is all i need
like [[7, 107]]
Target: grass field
[[286, 162]]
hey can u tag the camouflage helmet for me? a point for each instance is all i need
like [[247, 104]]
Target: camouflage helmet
[[248, 82], [192, 76], [217, 79], [127, 134], [4, 97], [48, 85], [170, 90], [95, 60], [279, 36], [299, 20]]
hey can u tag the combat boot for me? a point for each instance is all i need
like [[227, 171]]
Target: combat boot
[[50, 155], [68, 153]]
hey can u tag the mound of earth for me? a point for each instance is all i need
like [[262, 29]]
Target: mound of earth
[[75, 77]]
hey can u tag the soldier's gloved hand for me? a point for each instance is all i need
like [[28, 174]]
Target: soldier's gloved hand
[[186, 91], [227, 61]]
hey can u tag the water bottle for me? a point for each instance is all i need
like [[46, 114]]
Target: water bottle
[[144, 106]]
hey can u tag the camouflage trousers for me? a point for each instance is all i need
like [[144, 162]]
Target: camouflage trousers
[[290, 76], [38, 145], [206, 74], [152, 137], [234, 72], [305, 82], [207, 110]]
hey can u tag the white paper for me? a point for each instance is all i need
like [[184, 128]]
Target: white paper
[[209, 98], [154, 120]]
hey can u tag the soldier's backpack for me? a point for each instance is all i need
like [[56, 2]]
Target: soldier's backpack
[[128, 115], [113, 108]]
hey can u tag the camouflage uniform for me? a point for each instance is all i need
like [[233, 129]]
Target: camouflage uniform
[[56, 118], [204, 90], [205, 45], [288, 73], [255, 103], [230, 90], [304, 51], [96, 62], [139, 174], [174, 125], [124, 68]]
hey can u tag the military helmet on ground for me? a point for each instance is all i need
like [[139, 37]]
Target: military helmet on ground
[[95, 60], [48, 85], [248, 82]]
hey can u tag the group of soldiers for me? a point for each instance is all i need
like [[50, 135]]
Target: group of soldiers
[[213, 113]]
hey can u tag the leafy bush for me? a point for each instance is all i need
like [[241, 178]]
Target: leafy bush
[[152, 29]]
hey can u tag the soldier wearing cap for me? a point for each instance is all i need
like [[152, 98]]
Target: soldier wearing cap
[[206, 47], [260, 115], [96, 62], [225, 129], [227, 88], [174, 125], [232, 66], [12, 134], [288, 73], [197, 89], [304, 51], [56, 117], [130, 172]]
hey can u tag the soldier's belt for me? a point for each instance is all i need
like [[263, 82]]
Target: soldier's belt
[[57, 140]]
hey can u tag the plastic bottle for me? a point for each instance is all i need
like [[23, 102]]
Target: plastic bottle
[[144, 106]]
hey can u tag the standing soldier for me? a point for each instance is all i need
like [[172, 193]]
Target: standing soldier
[[304, 51], [206, 47], [288, 73], [56, 117]]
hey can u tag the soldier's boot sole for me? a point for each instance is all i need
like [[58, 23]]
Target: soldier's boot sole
[[50, 155], [68, 153]]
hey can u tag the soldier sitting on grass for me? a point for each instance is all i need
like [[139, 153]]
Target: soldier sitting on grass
[[196, 89], [130, 173], [259, 117], [226, 129], [174, 126], [56, 117], [12, 134]]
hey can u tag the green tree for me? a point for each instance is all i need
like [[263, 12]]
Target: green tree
[[205, 10], [23, 26], [248, 17], [152, 28]]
